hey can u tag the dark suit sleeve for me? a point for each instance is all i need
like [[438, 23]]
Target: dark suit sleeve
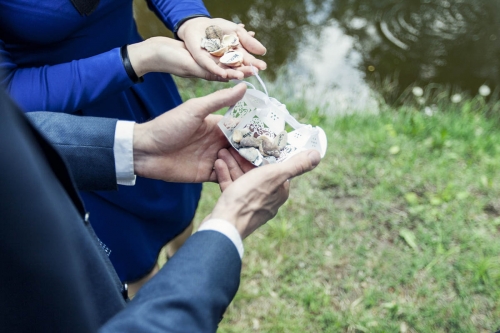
[[189, 294], [85, 143], [40, 278]]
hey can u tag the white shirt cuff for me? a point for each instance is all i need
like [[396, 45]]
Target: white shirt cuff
[[123, 149], [227, 229]]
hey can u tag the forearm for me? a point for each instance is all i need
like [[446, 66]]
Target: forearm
[[160, 54], [190, 293], [85, 143], [64, 87]]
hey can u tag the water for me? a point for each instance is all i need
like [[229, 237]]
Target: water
[[350, 53]]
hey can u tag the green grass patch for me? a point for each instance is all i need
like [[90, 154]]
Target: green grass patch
[[397, 230]]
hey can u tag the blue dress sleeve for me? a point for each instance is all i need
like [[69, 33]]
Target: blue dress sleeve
[[173, 12], [64, 87]]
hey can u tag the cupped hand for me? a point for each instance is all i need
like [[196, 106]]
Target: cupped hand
[[193, 30], [167, 55], [255, 197], [182, 145], [230, 166]]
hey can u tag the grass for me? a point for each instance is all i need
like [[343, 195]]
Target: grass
[[397, 230]]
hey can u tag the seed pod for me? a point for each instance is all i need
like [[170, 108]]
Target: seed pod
[[220, 52], [230, 40], [235, 144], [245, 132], [252, 155], [214, 32], [267, 147], [250, 142], [239, 134], [281, 140], [232, 59], [210, 45]]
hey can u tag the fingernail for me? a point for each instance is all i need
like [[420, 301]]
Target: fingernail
[[314, 157], [264, 53]]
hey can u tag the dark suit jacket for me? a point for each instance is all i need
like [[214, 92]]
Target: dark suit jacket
[[55, 276]]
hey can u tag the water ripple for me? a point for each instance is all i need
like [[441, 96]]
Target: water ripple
[[404, 25]]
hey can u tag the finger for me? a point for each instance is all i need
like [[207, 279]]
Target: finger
[[205, 61], [286, 185], [219, 79], [213, 77], [244, 164], [249, 59], [200, 72], [284, 192], [233, 166], [203, 106], [223, 174], [213, 177], [248, 71], [241, 25], [252, 33], [236, 169], [297, 165], [249, 43], [239, 73], [233, 73]]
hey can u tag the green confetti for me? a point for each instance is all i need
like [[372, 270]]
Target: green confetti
[[409, 238]]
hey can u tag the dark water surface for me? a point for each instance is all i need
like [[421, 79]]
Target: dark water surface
[[348, 53]]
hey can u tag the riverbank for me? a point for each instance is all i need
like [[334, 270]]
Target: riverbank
[[397, 230]]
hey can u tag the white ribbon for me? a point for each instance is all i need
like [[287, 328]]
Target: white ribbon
[[251, 85], [258, 78], [282, 107]]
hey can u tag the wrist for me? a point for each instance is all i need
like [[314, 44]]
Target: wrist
[[226, 228], [233, 216], [141, 56], [141, 149]]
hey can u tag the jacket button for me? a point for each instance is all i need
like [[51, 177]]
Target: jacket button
[[125, 291]]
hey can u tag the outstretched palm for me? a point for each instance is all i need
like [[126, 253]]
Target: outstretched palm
[[182, 145]]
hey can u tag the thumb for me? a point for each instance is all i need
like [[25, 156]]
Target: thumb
[[203, 106], [295, 166], [249, 42]]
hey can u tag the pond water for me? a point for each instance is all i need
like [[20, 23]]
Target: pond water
[[350, 53]]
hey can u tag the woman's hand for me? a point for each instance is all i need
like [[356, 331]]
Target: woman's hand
[[193, 30], [167, 55]]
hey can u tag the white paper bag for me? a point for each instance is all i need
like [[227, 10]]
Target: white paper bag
[[264, 115]]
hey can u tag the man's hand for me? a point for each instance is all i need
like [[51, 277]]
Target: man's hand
[[182, 145], [230, 166], [193, 30], [255, 197]]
